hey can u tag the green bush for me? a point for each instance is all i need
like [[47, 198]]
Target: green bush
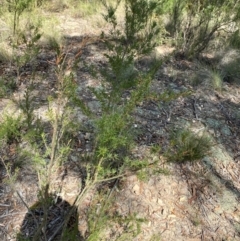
[[113, 128], [195, 25], [186, 146], [216, 80], [10, 128], [234, 40], [135, 39]]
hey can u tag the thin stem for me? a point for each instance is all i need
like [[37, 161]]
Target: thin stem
[[24, 203]]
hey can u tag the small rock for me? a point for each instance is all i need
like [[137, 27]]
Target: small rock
[[88, 147], [136, 189], [160, 202], [87, 136], [74, 158], [183, 199], [225, 130]]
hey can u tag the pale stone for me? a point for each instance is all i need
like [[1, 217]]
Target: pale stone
[[136, 189], [160, 202], [183, 199]]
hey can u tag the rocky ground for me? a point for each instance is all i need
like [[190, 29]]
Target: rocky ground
[[192, 201]]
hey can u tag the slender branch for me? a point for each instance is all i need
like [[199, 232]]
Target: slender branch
[[29, 210], [24, 203], [110, 178]]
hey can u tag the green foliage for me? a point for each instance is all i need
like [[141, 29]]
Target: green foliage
[[155, 149], [3, 88], [163, 171], [102, 216], [69, 89], [168, 95], [84, 8], [124, 86], [132, 226], [113, 133], [136, 165], [156, 237], [27, 108], [17, 7], [175, 9], [186, 146], [234, 40], [98, 220], [217, 80], [5, 54], [76, 9], [29, 37], [140, 28], [137, 38], [10, 128], [32, 126], [195, 25], [23, 43], [196, 221], [7, 86]]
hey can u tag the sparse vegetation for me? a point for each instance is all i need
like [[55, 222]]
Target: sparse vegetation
[[10, 128], [195, 26], [113, 139], [187, 146], [217, 80], [41, 69]]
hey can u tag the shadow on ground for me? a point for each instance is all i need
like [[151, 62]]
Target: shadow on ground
[[61, 221]]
